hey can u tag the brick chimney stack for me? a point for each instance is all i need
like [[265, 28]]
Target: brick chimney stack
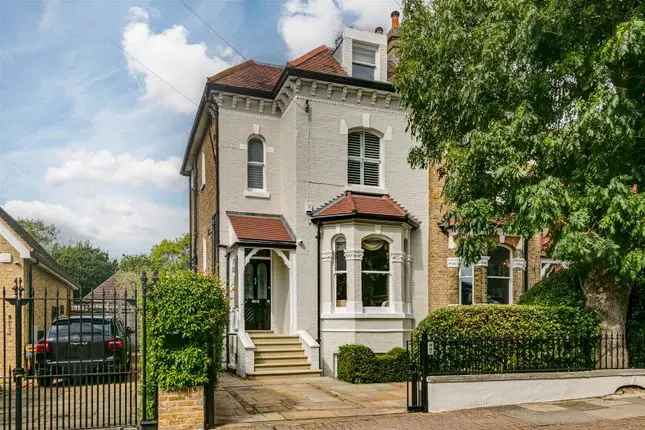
[[393, 45]]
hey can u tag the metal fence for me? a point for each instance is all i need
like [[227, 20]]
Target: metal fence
[[72, 365], [469, 355]]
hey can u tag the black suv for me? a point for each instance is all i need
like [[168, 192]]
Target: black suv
[[75, 346]]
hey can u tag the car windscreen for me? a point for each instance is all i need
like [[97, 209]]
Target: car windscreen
[[80, 327]]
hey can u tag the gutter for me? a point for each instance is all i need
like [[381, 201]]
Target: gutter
[[318, 276]]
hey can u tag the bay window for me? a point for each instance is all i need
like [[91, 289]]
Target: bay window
[[375, 273], [340, 272]]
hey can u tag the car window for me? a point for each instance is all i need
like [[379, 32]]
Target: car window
[[78, 327]]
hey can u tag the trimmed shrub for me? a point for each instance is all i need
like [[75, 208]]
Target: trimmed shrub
[[186, 318], [493, 338], [512, 321], [359, 365], [561, 288]]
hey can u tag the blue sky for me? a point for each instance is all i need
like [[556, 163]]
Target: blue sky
[[98, 98]]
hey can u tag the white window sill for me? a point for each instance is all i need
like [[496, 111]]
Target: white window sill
[[365, 315], [257, 194], [365, 189]]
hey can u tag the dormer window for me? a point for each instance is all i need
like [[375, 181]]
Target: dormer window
[[363, 61]]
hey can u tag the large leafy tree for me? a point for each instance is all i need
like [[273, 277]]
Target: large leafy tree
[[87, 264], [533, 112], [45, 234]]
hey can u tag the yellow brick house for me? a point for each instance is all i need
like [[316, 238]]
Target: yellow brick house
[[24, 260]]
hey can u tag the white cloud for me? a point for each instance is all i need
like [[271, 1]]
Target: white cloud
[[121, 169], [50, 14], [168, 56], [120, 224], [306, 24]]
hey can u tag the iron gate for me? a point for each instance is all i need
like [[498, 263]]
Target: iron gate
[[417, 383], [74, 363]]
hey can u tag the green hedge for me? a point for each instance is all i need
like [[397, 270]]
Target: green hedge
[[186, 318], [562, 288], [359, 365], [516, 321], [494, 339]]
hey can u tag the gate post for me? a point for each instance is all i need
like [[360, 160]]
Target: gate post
[[146, 422], [423, 350], [18, 371]]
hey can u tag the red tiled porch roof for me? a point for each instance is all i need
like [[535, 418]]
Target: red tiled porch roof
[[362, 205], [261, 228]]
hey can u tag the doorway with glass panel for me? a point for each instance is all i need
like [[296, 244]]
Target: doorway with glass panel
[[257, 292]]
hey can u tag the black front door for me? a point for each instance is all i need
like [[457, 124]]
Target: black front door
[[257, 295]]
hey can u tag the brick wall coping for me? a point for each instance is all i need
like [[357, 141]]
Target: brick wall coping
[[535, 376]]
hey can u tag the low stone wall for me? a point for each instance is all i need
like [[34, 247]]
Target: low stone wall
[[181, 410], [447, 393]]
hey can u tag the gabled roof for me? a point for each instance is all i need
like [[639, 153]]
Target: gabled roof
[[320, 60], [264, 229], [353, 204], [251, 75], [37, 251]]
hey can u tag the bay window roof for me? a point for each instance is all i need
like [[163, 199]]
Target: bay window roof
[[352, 204]]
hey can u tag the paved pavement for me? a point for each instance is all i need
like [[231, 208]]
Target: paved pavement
[[325, 403]]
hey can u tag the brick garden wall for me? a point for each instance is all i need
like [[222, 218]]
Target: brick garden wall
[[181, 410]]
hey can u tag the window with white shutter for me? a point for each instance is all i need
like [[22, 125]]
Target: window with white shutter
[[255, 164], [363, 159]]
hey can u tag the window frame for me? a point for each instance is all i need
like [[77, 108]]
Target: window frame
[[508, 278], [262, 164], [362, 159], [388, 276], [374, 67], [336, 272], [472, 283]]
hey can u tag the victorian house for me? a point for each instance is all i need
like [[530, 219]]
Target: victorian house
[[303, 203]]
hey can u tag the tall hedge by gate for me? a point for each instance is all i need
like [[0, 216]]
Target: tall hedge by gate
[[186, 319]]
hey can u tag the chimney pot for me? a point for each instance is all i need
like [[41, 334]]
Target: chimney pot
[[378, 30], [395, 20]]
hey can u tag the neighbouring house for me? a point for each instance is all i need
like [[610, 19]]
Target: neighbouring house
[[22, 259], [303, 203], [115, 297]]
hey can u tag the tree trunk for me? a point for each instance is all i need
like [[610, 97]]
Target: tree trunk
[[611, 302]]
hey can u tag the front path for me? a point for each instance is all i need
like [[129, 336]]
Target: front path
[[325, 403], [290, 398]]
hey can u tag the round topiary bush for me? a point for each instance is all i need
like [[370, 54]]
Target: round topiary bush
[[359, 365]]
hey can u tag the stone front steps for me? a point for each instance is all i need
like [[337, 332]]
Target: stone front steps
[[279, 355]]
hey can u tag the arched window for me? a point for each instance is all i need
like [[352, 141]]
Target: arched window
[[499, 276], [255, 164], [340, 272], [375, 274], [466, 283], [364, 159]]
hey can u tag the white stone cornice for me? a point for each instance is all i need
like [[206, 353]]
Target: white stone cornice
[[483, 261], [326, 255], [518, 263]]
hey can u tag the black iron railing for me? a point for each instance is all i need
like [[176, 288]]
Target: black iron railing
[[470, 355]]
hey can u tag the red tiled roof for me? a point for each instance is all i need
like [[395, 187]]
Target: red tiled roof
[[249, 74], [264, 77], [260, 227], [366, 205], [318, 60]]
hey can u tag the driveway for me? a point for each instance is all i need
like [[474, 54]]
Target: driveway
[[325, 403]]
